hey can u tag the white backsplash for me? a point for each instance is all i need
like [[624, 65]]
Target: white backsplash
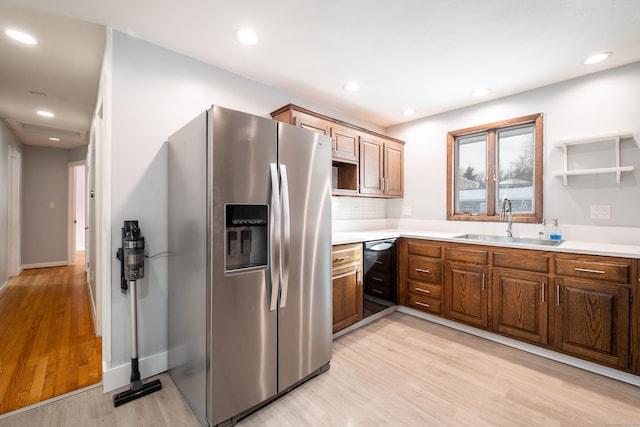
[[357, 213], [357, 208]]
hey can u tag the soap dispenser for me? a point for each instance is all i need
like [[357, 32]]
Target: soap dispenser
[[555, 231]]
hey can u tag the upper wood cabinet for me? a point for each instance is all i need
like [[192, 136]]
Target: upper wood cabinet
[[345, 144], [309, 122], [365, 162], [371, 164], [393, 169], [381, 167]]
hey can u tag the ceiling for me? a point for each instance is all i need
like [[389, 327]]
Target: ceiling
[[428, 55]]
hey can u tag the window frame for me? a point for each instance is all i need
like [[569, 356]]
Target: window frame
[[491, 130]]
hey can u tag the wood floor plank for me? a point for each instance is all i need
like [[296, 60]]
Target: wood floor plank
[[47, 345], [397, 371]]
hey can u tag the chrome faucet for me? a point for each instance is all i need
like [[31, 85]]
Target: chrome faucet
[[504, 210]]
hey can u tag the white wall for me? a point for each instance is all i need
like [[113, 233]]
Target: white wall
[[153, 93], [594, 104], [44, 204]]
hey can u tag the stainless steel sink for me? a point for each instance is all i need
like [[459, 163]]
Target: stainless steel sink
[[505, 239]]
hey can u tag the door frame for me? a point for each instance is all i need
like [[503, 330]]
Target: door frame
[[14, 172], [71, 210]]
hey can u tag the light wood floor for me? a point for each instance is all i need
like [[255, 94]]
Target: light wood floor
[[47, 343], [398, 371]]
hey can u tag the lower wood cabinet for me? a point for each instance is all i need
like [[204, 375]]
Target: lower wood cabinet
[[465, 293], [520, 304], [580, 305], [420, 282], [346, 282], [592, 321]]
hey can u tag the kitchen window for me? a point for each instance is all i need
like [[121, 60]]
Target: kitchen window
[[487, 163]]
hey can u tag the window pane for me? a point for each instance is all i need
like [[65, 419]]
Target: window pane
[[471, 164], [515, 152]]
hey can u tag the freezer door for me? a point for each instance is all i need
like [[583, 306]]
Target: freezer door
[[243, 356], [304, 316]]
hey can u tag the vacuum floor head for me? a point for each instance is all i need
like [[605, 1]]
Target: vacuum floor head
[[136, 391]]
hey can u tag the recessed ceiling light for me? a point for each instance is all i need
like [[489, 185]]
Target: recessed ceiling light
[[21, 37], [351, 86], [45, 113], [481, 91], [53, 139], [408, 112], [598, 57], [246, 36]]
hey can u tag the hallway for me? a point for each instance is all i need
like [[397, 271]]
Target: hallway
[[47, 342]]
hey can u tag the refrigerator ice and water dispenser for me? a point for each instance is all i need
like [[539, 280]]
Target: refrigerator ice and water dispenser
[[247, 239]]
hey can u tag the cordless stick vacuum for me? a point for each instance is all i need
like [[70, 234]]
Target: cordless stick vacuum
[[131, 256]]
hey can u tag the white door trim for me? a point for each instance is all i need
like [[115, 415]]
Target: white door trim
[[14, 167], [71, 211]]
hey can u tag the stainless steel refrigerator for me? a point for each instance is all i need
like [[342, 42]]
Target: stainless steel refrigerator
[[249, 261]]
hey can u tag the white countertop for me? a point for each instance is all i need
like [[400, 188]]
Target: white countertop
[[570, 246]]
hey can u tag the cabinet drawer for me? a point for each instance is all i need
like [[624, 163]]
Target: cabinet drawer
[[425, 289], [346, 254], [474, 256], [615, 270], [423, 249], [425, 269], [346, 269], [520, 261], [424, 303]]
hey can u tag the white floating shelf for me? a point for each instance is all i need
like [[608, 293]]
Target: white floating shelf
[[614, 137]]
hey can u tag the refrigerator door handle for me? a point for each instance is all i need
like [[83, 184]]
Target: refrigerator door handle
[[275, 233], [286, 235]]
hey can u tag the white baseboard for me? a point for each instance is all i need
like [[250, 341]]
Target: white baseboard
[[44, 265], [529, 348], [4, 286], [120, 376]]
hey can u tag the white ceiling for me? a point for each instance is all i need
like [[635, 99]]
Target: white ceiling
[[424, 54]]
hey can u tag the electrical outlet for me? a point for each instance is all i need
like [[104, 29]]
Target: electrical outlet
[[406, 211], [600, 211]]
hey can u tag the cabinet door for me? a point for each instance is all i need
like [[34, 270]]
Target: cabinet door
[[520, 304], [345, 144], [347, 299], [393, 169], [592, 321], [371, 154], [465, 293], [306, 121]]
